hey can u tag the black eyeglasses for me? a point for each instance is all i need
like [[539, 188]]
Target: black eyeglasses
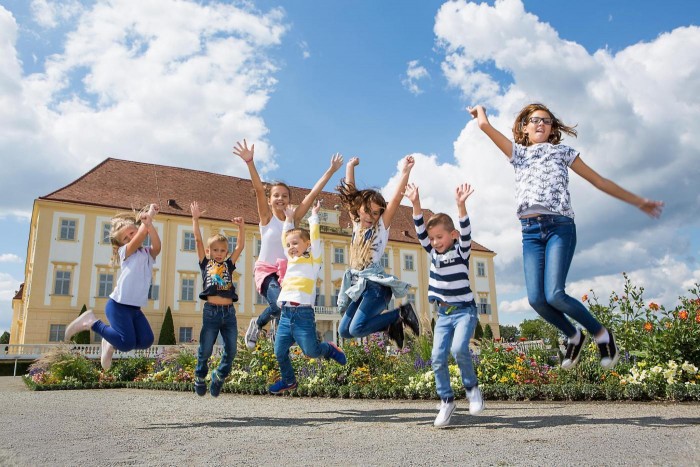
[[537, 120]]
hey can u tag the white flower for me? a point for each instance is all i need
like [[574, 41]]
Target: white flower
[[689, 368]]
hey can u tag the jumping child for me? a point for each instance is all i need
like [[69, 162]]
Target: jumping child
[[541, 166]]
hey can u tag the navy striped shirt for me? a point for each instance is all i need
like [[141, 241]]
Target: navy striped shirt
[[449, 271]]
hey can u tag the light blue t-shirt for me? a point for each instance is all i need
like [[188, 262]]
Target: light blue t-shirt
[[135, 278]]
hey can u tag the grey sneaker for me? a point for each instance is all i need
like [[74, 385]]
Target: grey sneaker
[[251, 335], [447, 408]]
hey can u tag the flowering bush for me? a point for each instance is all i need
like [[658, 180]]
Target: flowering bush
[[660, 358]]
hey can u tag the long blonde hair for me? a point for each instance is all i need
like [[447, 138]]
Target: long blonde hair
[[119, 221]]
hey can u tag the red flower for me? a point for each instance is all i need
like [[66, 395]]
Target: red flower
[[653, 306], [697, 317], [648, 327], [584, 298], [683, 314], [522, 339], [497, 349], [509, 349]]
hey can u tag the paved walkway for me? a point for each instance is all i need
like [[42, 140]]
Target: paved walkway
[[141, 427]]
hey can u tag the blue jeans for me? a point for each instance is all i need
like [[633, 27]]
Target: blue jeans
[[297, 324], [452, 334], [271, 291], [215, 319], [548, 247], [364, 316], [128, 327]]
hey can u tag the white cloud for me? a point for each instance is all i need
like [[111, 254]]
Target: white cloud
[[158, 81], [10, 258], [49, 13], [636, 113], [304, 46], [414, 73]]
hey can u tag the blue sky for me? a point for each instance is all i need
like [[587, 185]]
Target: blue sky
[[375, 79]]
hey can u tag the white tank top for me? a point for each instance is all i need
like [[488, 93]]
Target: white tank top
[[271, 248]]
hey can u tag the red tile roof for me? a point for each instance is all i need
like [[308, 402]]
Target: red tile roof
[[122, 185]]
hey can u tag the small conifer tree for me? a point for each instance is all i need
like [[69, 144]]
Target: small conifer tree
[[167, 330]]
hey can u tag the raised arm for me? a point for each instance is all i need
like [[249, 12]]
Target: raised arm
[[240, 244], [196, 213], [247, 154], [462, 193], [395, 201], [303, 208], [350, 171], [499, 139], [411, 193], [145, 229], [650, 207]]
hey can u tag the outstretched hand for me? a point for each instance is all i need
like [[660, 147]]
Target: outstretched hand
[[462, 192], [411, 192], [336, 161], [238, 221], [289, 212], [652, 208], [474, 111], [354, 161], [242, 151], [408, 163], [194, 209], [317, 207], [153, 209]]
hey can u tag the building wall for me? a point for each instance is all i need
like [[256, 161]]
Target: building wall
[[87, 256]]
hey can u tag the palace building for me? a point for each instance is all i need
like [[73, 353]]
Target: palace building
[[68, 252]]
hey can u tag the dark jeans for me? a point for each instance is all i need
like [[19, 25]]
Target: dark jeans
[[217, 319], [364, 316], [128, 327], [271, 291]]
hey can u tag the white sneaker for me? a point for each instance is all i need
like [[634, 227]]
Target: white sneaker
[[476, 401], [251, 335], [106, 354], [443, 417], [79, 324]]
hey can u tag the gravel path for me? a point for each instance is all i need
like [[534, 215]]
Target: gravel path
[[141, 427]]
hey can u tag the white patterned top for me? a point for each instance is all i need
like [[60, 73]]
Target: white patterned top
[[542, 177]]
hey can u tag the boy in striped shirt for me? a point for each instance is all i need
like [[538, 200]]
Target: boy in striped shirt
[[448, 286], [298, 323]]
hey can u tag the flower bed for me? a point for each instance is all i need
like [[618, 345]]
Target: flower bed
[[660, 362]]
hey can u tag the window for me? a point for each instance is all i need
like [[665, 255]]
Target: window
[[188, 243], [484, 307], [411, 297], [385, 260], [153, 292], [339, 255], [320, 299], [232, 242], [480, 269], [334, 297], [67, 229], [408, 262], [259, 299], [62, 283], [106, 229], [185, 335], [57, 333], [258, 247], [147, 241], [187, 290], [106, 285]]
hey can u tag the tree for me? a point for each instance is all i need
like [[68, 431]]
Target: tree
[[508, 332], [539, 329], [5, 338], [167, 330], [488, 332], [478, 331], [83, 337]]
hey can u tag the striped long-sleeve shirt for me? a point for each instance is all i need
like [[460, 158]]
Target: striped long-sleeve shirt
[[449, 271], [299, 284]]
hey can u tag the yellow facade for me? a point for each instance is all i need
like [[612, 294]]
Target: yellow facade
[[62, 273]]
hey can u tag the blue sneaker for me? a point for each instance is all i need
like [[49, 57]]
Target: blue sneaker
[[200, 386], [216, 384], [280, 386], [337, 354]]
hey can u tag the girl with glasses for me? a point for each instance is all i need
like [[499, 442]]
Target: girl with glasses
[[541, 166]]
